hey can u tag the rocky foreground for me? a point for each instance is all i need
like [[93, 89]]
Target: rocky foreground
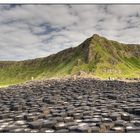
[[82, 105]]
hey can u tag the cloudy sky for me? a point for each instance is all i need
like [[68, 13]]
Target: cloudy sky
[[30, 31]]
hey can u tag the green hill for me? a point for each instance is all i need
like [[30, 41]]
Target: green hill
[[96, 55]]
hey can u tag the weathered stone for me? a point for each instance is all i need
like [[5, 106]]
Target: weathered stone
[[114, 116], [49, 123], [87, 117], [62, 114], [71, 123], [5, 130], [113, 97], [137, 111], [48, 101], [62, 131], [15, 108], [18, 117], [3, 116], [77, 115], [120, 123], [17, 130], [106, 115], [58, 119], [83, 127], [125, 116], [60, 125], [30, 117], [72, 128], [78, 120], [34, 131], [95, 129], [118, 129], [96, 115], [70, 113], [68, 119], [20, 122], [132, 129], [49, 131], [136, 122], [106, 120], [96, 120], [128, 109], [26, 130], [87, 113], [12, 126], [4, 125], [35, 125], [92, 124]]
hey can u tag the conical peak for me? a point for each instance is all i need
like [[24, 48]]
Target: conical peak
[[98, 37], [95, 35], [88, 41]]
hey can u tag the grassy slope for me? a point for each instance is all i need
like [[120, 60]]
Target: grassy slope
[[96, 55], [117, 60], [56, 65]]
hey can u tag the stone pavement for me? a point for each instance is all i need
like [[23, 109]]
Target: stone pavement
[[70, 106]]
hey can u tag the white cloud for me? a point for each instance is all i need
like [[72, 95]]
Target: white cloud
[[30, 31]]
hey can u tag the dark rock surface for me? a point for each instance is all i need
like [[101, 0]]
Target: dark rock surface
[[65, 106]]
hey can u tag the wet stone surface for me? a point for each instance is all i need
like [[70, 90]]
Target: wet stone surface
[[70, 106]]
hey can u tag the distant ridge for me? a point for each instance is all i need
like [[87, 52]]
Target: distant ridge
[[97, 56]]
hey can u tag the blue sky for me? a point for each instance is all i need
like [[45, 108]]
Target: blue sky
[[31, 31]]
